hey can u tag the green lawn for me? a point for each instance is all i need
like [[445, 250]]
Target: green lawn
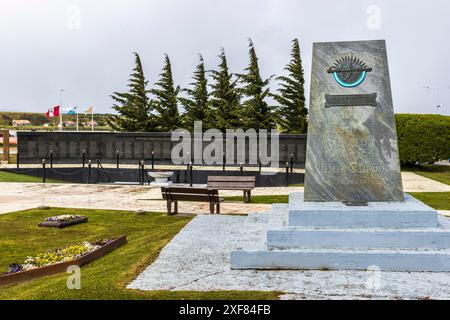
[[106, 277], [283, 198], [15, 177], [435, 172], [437, 200]]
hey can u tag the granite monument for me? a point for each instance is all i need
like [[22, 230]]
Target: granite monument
[[352, 152], [353, 213]]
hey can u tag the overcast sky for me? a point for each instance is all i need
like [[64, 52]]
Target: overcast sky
[[84, 47]]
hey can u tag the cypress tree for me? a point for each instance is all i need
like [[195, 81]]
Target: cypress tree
[[291, 95], [133, 107], [257, 113], [197, 105], [165, 102], [225, 100]]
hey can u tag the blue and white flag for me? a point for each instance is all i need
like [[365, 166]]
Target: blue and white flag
[[70, 110]]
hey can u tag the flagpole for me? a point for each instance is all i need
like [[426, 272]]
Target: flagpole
[[77, 120], [60, 111]]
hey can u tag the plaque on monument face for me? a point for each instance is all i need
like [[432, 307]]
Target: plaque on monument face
[[352, 153]]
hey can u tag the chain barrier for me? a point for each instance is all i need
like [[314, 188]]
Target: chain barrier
[[22, 171], [65, 173], [120, 172]]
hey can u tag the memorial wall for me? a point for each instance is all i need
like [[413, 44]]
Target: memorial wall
[[67, 147]]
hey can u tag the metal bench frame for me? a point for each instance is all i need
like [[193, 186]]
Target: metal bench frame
[[175, 194]]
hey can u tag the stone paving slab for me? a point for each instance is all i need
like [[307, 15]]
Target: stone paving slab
[[20, 196], [415, 183]]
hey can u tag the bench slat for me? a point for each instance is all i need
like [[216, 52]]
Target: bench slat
[[235, 188], [231, 184], [232, 178], [191, 197], [173, 190]]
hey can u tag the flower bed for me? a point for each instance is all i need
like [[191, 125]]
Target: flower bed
[[57, 261], [62, 221]]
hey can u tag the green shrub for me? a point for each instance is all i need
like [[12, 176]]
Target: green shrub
[[423, 138]]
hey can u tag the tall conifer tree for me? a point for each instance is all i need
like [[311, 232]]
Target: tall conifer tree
[[197, 105], [133, 107], [292, 112], [257, 113], [165, 102], [225, 99]]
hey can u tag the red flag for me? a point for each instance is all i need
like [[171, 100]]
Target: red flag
[[52, 112]]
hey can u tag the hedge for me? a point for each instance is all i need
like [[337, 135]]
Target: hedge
[[423, 138]]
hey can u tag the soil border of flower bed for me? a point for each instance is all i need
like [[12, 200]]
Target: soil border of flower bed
[[62, 224], [10, 278]]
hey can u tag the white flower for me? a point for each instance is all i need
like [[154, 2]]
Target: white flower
[[28, 266]]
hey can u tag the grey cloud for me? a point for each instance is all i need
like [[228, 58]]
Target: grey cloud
[[42, 52]]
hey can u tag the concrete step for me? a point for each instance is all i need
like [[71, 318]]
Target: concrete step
[[384, 260], [426, 238], [408, 214]]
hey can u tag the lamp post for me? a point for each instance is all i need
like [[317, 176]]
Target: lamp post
[[439, 105]]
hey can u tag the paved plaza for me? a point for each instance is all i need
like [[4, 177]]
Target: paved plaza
[[21, 196]]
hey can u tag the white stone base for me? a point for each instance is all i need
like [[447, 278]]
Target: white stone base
[[304, 238], [385, 260], [161, 184], [408, 214], [393, 236]]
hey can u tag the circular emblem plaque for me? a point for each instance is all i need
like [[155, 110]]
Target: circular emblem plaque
[[349, 71]]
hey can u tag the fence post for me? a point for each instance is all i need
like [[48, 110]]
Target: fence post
[[43, 170], [17, 159], [117, 158], [190, 174], [89, 172], [140, 172], [223, 161], [143, 172], [292, 162], [98, 171], [153, 160], [83, 157], [287, 174], [51, 158]]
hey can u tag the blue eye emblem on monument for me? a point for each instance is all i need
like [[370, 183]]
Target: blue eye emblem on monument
[[349, 71]]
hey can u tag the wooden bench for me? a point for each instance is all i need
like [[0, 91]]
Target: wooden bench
[[244, 183], [175, 194]]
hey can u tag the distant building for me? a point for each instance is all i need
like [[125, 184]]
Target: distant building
[[21, 123], [70, 123], [89, 123]]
